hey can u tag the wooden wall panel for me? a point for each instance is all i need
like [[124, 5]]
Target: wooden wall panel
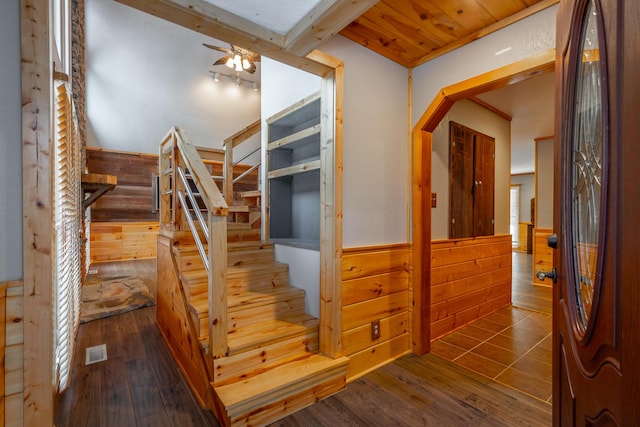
[[173, 323], [11, 353], [132, 199], [375, 287], [542, 254], [118, 241], [470, 278]]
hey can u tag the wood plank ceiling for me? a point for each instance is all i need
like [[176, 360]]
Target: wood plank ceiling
[[411, 32]]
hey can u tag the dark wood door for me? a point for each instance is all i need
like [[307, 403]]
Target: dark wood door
[[460, 181], [483, 185], [596, 346], [472, 182]]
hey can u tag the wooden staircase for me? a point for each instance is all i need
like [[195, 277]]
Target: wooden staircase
[[263, 363], [272, 367]]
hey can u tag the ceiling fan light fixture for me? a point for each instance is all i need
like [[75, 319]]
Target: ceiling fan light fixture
[[230, 63], [245, 63]]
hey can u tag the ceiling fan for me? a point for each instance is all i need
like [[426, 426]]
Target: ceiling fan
[[237, 58]]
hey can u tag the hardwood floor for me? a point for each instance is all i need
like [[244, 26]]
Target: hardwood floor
[[140, 385]]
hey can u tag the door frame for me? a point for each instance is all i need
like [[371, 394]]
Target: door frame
[[421, 175]]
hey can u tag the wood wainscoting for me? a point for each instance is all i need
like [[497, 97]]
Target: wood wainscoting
[[120, 241], [375, 288], [470, 278], [11, 352], [542, 254]]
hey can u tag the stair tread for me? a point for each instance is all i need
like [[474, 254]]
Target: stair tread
[[273, 330], [200, 276], [252, 193], [278, 382], [200, 303], [238, 208]]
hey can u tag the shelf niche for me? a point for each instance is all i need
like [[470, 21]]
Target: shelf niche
[[294, 174]]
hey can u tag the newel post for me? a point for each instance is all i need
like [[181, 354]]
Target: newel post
[[218, 345]]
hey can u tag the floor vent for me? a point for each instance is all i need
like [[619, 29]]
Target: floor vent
[[96, 354]]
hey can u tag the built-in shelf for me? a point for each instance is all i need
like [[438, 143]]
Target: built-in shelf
[[95, 185], [293, 145]]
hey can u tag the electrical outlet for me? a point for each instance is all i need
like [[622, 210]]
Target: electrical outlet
[[375, 329]]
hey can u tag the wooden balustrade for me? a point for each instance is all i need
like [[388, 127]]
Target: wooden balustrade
[[229, 144], [178, 153]]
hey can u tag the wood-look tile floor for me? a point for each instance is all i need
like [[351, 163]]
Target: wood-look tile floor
[[512, 345]]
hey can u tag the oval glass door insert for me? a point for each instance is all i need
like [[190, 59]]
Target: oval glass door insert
[[586, 167]]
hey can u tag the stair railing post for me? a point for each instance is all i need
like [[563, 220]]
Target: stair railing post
[[218, 343], [164, 184], [227, 172], [177, 213]]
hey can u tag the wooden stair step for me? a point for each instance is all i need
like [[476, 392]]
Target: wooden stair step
[[254, 401], [241, 301], [243, 279], [249, 308], [238, 271], [271, 331], [239, 208], [244, 235], [252, 193]]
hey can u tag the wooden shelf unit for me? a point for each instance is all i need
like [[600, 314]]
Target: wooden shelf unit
[[293, 172]]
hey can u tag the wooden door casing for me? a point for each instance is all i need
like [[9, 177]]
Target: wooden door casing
[[596, 370]]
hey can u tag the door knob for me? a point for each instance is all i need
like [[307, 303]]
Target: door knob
[[552, 241], [544, 274]]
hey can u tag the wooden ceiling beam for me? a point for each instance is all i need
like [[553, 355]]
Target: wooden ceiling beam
[[323, 22], [212, 21]]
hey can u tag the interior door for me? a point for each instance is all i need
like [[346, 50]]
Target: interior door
[[483, 185], [596, 346]]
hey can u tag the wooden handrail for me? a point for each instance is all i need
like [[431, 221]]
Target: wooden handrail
[[178, 154], [211, 196], [229, 144]]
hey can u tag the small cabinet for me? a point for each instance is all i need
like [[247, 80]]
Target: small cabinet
[[294, 173]]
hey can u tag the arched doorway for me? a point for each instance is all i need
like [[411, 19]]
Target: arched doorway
[[421, 175]]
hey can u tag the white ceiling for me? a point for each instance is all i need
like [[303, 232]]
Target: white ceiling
[[531, 104], [279, 16]]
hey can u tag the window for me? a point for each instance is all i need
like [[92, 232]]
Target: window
[[68, 239], [514, 214]]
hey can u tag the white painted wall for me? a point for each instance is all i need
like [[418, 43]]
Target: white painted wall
[[544, 183], [282, 86], [484, 121], [375, 148], [10, 144], [145, 75], [530, 36]]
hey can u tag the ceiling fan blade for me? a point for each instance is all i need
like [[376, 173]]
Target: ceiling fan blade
[[218, 48], [253, 57], [222, 61], [251, 69]]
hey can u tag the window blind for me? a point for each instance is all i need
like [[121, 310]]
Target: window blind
[[68, 237]]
